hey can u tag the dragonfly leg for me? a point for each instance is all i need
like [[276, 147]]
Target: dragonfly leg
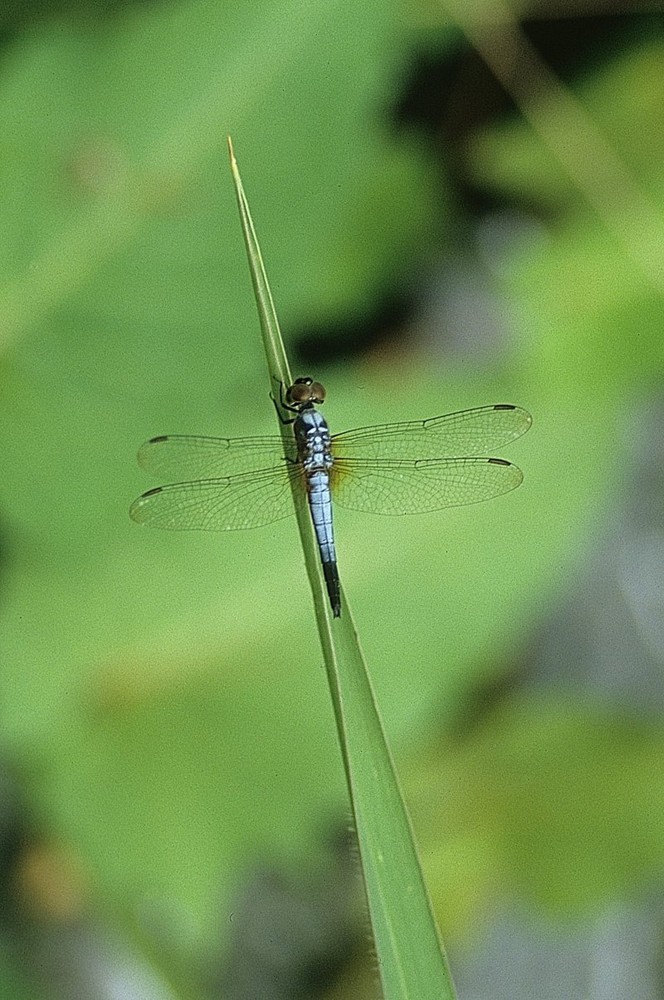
[[282, 404]]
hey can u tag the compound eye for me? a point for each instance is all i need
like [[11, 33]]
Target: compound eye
[[300, 391], [316, 392]]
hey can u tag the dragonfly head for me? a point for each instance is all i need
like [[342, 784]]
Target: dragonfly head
[[305, 392]]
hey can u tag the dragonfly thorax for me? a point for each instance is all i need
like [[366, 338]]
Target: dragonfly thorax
[[313, 441]]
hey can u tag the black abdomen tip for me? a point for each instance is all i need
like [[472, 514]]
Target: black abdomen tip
[[331, 575]]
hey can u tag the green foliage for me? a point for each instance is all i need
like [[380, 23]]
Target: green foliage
[[560, 800], [149, 683], [11, 983], [164, 693]]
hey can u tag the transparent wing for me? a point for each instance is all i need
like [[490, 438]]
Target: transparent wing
[[177, 457], [399, 487], [469, 432], [248, 500]]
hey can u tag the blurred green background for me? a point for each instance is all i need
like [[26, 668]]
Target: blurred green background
[[438, 235]]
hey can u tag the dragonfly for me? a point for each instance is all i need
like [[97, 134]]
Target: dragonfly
[[228, 484]]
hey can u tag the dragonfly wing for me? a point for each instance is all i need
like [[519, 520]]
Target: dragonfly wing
[[178, 457], [468, 432], [247, 500], [397, 487]]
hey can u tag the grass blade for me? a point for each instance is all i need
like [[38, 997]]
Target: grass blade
[[411, 958]]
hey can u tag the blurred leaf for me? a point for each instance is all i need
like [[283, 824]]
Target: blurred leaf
[[623, 96], [12, 984], [556, 801], [126, 315]]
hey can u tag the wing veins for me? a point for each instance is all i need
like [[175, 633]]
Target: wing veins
[[421, 485], [187, 457], [466, 432], [247, 500]]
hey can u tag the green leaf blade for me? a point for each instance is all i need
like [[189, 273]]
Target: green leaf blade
[[412, 961]]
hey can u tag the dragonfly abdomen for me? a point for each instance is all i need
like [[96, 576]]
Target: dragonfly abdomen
[[314, 451], [320, 505]]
